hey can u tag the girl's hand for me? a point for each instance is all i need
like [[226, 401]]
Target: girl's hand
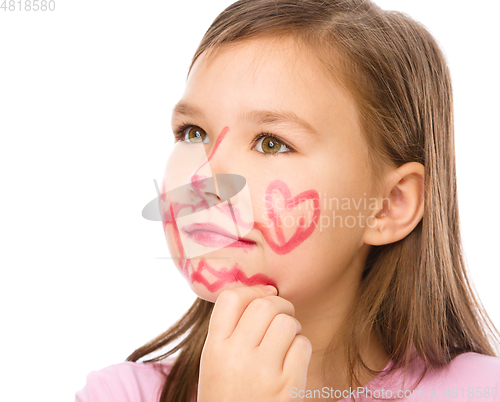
[[254, 350]]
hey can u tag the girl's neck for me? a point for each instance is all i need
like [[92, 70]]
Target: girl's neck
[[321, 319], [334, 375]]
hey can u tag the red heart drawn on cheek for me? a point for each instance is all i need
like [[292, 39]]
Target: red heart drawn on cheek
[[274, 228]]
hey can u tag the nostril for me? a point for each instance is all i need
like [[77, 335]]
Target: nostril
[[197, 184]]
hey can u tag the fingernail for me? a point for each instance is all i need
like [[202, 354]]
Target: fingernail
[[271, 288]]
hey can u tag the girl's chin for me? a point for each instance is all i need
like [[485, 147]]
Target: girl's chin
[[206, 295], [211, 296]]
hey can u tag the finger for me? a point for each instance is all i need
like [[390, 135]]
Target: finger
[[257, 318], [229, 307], [297, 361], [277, 340]]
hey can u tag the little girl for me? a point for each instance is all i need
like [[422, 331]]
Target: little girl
[[310, 201]]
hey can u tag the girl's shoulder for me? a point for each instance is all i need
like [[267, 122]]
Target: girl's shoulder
[[476, 359], [125, 382], [467, 377], [474, 368]]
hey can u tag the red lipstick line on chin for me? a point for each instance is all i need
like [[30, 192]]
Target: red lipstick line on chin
[[225, 276]]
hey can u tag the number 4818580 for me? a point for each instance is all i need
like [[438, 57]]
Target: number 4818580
[[28, 5]]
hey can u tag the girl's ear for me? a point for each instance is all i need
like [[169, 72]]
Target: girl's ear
[[401, 208]]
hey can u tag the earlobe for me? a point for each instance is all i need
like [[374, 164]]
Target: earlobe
[[401, 208]]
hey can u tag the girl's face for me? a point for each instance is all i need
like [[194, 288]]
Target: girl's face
[[266, 112]]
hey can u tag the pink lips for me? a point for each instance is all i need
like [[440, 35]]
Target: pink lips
[[211, 235]]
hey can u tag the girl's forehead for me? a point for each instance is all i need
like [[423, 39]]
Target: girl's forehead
[[252, 55], [263, 70], [268, 78], [285, 68]]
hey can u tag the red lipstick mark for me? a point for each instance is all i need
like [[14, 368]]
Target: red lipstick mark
[[224, 276], [222, 134], [172, 221], [195, 178], [282, 246], [197, 183]]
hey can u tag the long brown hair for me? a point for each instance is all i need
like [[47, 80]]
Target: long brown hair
[[414, 294]]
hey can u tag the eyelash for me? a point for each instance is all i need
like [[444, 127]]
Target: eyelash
[[180, 133]]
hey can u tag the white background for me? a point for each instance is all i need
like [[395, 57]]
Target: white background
[[86, 94]]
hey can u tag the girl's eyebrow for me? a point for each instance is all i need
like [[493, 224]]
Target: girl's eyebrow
[[254, 116], [276, 117], [186, 109]]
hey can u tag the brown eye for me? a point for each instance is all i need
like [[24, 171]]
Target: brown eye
[[196, 134], [268, 144]]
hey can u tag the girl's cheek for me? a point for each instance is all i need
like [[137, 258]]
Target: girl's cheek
[[289, 215]]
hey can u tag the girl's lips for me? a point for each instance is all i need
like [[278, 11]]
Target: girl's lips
[[211, 235]]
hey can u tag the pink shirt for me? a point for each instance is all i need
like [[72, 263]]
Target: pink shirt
[[469, 377]]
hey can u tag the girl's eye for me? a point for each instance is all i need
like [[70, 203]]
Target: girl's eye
[[192, 134], [270, 144]]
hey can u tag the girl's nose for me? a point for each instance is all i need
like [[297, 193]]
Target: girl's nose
[[205, 188], [203, 183], [216, 179]]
